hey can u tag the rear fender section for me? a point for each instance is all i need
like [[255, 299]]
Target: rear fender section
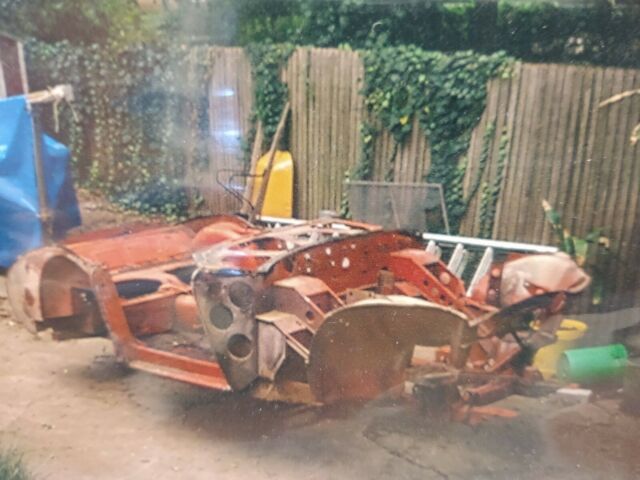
[[50, 288]]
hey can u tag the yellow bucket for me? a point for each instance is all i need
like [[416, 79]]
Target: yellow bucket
[[569, 333]]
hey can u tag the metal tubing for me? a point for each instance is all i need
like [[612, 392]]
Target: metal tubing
[[447, 240]]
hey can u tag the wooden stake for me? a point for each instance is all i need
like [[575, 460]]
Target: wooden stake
[[255, 156]]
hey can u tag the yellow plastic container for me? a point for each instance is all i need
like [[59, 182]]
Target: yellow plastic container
[[278, 199], [546, 360]]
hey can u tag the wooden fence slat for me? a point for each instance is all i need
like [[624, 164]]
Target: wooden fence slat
[[532, 87], [315, 79], [578, 167], [537, 174], [500, 122], [569, 134], [618, 157], [606, 158], [339, 98], [540, 170], [305, 157], [512, 190], [623, 209], [595, 136], [326, 133], [503, 204], [342, 79], [315, 127], [335, 87], [548, 174]]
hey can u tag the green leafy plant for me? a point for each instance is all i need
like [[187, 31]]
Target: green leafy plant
[[591, 252], [491, 192], [270, 92], [485, 153]]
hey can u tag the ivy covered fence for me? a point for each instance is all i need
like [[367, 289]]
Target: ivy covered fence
[[500, 135], [141, 117]]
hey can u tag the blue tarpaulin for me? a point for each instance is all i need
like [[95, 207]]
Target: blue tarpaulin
[[20, 226]]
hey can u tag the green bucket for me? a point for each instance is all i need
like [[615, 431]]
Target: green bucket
[[592, 365]]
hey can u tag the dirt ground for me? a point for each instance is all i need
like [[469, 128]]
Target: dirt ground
[[75, 413]]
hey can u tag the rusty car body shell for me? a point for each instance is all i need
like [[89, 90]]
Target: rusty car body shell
[[319, 312]]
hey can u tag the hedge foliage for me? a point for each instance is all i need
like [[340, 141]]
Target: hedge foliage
[[596, 31], [78, 21]]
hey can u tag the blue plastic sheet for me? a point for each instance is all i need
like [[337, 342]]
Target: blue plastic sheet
[[20, 227]]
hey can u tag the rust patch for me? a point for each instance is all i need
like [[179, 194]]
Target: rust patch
[[28, 297]]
